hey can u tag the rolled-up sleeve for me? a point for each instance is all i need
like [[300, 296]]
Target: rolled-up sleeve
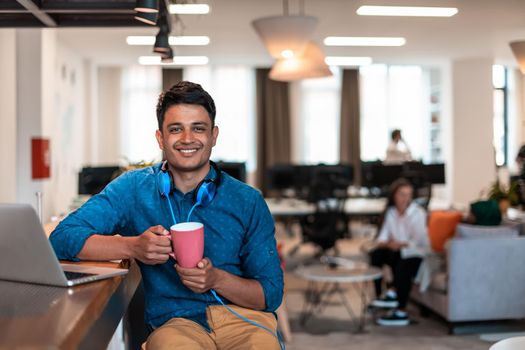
[[105, 213], [260, 260]]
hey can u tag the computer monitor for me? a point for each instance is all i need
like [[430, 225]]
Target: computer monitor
[[434, 173], [236, 170], [92, 180], [384, 175], [339, 175], [281, 177]]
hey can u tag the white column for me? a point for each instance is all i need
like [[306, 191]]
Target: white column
[[473, 164], [8, 115], [29, 109], [108, 116]]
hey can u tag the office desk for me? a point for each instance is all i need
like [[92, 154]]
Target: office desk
[[353, 206], [82, 317], [289, 207]]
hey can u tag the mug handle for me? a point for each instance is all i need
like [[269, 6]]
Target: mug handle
[[172, 254]]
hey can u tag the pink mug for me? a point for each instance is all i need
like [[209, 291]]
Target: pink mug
[[187, 239]]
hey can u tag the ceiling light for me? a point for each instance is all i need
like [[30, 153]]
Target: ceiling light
[[177, 60], [285, 33], [406, 11], [363, 41], [347, 61], [173, 40], [287, 54], [310, 65], [147, 6], [161, 42], [147, 17], [518, 49], [189, 9]]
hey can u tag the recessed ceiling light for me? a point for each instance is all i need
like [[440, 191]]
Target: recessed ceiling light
[[189, 9], [347, 60], [363, 41], [177, 60], [406, 11], [174, 40]]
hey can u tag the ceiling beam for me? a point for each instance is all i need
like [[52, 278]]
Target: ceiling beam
[[35, 10]]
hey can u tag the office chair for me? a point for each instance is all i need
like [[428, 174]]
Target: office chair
[[329, 222]]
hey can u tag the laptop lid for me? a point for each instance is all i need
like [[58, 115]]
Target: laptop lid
[[27, 256]]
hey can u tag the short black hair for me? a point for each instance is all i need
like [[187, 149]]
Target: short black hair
[[395, 133], [185, 92]]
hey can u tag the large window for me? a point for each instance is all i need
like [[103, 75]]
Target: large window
[[233, 90], [141, 86], [499, 121], [394, 97], [318, 119]]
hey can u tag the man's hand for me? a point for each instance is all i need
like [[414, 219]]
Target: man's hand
[[201, 278], [153, 246]]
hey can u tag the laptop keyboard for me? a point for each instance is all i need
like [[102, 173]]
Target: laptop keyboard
[[71, 276]]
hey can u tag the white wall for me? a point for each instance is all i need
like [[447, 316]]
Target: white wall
[[29, 109], [65, 124], [107, 150], [8, 115], [473, 161]]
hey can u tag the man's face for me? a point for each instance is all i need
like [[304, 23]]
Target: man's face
[[187, 137]]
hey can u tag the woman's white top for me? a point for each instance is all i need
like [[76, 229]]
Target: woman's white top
[[410, 227]]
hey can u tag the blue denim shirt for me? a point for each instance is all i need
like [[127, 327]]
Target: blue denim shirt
[[239, 238]]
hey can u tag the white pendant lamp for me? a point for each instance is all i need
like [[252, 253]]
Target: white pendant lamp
[[310, 64], [288, 34]]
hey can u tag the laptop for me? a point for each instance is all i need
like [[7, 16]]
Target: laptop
[[27, 256]]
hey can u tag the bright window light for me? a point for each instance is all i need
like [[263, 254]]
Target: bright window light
[[347, 60], [177, 60], [174, 40], [406, 11], [363, 41], [287, 53], [189, 9]]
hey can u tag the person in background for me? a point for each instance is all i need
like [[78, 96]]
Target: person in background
[[240, 263], [401, 244], [519, 176], [397, 151]]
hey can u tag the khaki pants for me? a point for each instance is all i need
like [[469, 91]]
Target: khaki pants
[[227, 331]]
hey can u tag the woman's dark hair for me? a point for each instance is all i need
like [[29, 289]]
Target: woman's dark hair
[[185, 92], [392, 190]]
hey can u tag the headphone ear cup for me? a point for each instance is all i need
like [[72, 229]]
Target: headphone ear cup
[[164, 183], [205, 193]]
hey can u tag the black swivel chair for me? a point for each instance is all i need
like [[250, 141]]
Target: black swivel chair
[[329, 222]]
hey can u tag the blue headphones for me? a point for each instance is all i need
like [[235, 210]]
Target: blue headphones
[[203, 193]]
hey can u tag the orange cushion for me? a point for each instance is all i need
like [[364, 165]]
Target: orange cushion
[[441, 227]]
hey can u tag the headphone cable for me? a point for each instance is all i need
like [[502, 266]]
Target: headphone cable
[[171, 210], [276, 334]]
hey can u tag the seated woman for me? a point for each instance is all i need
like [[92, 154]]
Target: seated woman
[[401, 244]]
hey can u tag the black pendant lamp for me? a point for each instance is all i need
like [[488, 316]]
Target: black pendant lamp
[[147, 17], [147, 6], [162, 44]]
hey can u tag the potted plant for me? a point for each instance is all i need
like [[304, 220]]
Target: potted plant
[[505, 196]]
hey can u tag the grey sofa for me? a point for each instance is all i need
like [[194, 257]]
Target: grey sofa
[[483, 277]]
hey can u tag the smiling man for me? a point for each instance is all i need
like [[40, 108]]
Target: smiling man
[[240, 261]]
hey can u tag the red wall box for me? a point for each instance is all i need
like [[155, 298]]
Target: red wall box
[[40, 158]]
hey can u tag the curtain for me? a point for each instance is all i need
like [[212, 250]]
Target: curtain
[[350, 151], [273, 124], [170, 77]]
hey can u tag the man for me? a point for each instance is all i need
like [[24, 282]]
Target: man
[[397, 151], [241, 263]]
